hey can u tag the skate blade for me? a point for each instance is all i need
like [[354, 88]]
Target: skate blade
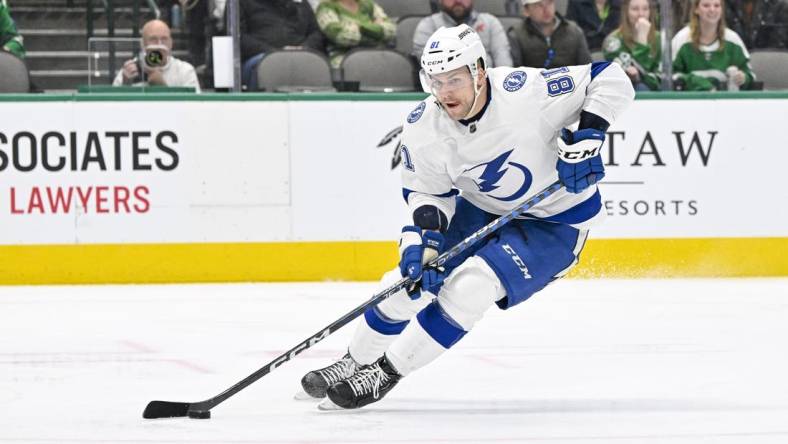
[[327, 405], [304, 396]]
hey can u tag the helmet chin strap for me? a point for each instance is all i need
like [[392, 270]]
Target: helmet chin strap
[[476, 90]]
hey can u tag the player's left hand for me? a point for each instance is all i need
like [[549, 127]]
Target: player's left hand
[[579, 163]]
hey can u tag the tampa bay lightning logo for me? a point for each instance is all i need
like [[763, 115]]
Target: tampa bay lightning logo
[[416, 113], [492, 173], [514, 81]]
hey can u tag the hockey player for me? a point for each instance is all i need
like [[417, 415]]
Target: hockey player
[[493, 136]]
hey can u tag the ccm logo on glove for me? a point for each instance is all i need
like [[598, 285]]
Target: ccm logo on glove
[[579, 163], [580, 145]]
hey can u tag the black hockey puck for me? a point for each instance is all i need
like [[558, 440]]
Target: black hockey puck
[[200, 414]]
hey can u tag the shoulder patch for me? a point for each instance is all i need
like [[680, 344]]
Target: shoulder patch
[[612, 44], [415, 115], [514, 81]]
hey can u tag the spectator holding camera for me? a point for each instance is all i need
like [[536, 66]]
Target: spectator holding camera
[[10, 40], [157, 63], [707, 56], [635, 45]]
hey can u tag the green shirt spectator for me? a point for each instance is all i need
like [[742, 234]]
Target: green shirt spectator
[[707, 56], [706, 68], [645, 60], [635, 45], [10, 40], [351, 23]]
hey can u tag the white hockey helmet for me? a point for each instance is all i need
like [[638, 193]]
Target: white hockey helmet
[[451, 48]]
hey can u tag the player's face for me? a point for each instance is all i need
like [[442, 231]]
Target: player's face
[[709, 11], [638, 9], [454, 90]]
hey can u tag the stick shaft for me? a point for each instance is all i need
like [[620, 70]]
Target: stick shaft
[[358, 311]]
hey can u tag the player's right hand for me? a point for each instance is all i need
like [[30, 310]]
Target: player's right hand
[[130, 70], [416, 249]]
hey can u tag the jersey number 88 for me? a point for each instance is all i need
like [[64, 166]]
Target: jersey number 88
[[561, 85]]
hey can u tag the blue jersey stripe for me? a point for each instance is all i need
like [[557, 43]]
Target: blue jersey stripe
[[579, 213], [598, 67], [406, 192], [382, 324]]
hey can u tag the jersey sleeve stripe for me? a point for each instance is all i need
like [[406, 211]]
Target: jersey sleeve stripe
[[406, 192], [598, 67]]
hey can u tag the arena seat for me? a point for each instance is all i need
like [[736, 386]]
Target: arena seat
[[14, 77], [379, 70], [406, 28], [294, 71], [770, 67]]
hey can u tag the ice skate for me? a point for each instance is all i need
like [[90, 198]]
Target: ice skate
[[316, 382], [369, 384]]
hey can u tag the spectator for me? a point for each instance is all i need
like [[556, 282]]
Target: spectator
[[351, 23], [760, 23], [456, 12], [270, 25], [159, 65], [597, 19], [547, 40], [512, 7], [10, 40], [707, 56], [635, 45]]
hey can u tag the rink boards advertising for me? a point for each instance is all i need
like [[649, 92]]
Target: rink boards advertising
[[263, 187]]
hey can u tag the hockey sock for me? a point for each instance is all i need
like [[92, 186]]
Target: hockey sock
[[383, 323]]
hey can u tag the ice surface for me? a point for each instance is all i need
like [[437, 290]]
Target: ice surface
[[640, 361]]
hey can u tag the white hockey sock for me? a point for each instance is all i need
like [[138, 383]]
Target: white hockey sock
[[368, 344], [384, 323], [413, 349]]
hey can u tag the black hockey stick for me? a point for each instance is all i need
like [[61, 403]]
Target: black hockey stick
[[202, 409]]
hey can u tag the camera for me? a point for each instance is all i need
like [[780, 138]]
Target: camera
[[154, 58]]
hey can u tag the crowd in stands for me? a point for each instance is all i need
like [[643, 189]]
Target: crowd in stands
[[710, 47]]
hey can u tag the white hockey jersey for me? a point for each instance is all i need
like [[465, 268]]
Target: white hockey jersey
[[510, 152]]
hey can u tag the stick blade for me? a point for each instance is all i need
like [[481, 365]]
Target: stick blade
[[165, 409]]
